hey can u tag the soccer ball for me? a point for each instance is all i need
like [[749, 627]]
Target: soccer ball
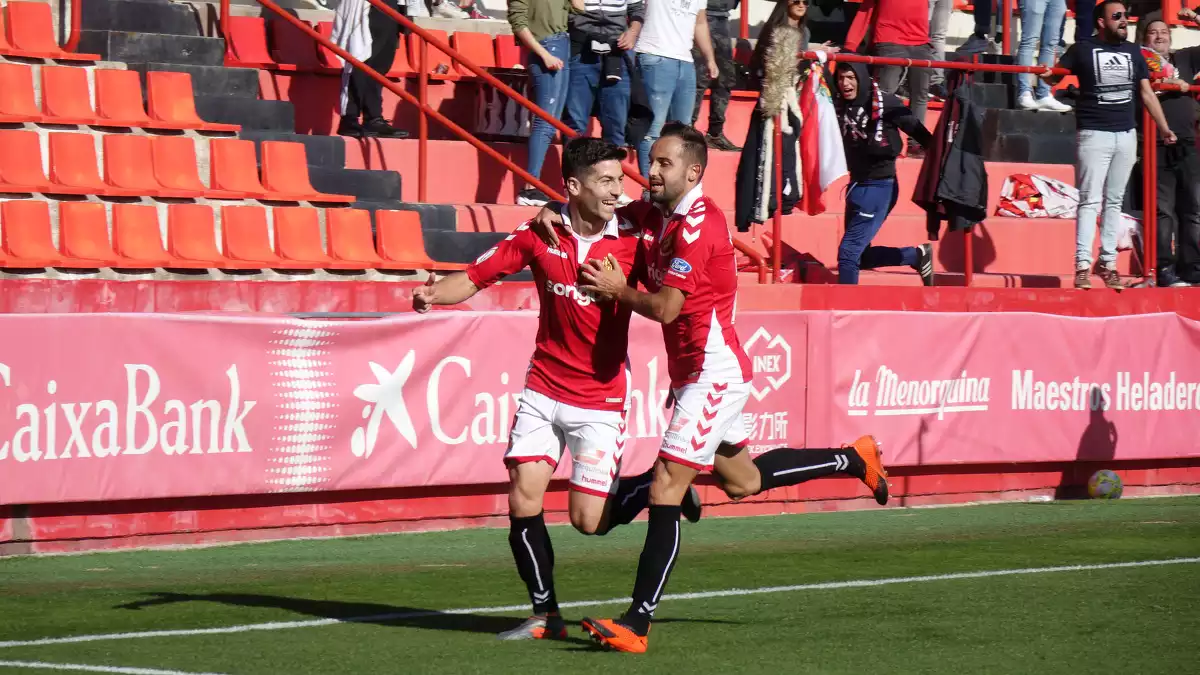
[[1105, 484]]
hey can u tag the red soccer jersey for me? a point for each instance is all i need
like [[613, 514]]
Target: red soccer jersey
[[582, 344], [693, 251]]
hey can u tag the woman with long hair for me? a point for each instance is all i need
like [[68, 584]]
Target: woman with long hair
[[775, 67]]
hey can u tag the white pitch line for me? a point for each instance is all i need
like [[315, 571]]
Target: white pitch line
[[80, 667], [703, 595]]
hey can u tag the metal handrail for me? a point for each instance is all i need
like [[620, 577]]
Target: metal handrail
[[72, 42]]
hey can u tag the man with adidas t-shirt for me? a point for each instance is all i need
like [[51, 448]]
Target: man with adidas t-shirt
[[576, 390], [691, 282]]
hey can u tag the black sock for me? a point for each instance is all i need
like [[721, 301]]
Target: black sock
[[632, 495], [530, 544], [654, 567], [788, 466]]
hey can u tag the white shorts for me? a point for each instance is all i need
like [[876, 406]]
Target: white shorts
[[595, 438], [706, 415]]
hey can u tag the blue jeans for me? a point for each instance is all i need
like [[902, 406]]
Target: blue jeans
[[868, 204], [587, 82], [550, 94], [671, 87], [1041, 23]]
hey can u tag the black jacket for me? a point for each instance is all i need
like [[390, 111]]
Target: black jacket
[[953, 184], [873, 142]]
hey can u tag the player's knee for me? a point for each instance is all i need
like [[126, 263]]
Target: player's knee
[[586, 522], [525, 494], [671, 480]]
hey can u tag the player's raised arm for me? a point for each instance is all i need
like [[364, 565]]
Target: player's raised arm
[[449, 290], [508, 257]]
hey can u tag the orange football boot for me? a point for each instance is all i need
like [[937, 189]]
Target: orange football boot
[[545, 627], [609, 633], [871, 453]]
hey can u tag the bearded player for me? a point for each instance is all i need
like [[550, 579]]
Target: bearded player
[[691, 283], [576, 390]]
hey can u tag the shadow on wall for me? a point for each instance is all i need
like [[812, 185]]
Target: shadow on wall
[[1097, 444]]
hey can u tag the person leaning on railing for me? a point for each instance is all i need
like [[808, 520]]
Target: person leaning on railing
[[541, 27]]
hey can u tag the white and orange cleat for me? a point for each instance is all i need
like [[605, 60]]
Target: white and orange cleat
[[543, 627], [870, 452]]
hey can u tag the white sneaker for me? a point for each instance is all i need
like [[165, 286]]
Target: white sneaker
[[1025, 102], [447, 9], [1051, 104]]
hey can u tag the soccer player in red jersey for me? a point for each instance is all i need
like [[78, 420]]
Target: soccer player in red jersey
[[691, 279], [576, 391]]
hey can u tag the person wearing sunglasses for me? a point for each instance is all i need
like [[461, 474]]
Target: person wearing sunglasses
[[1113, 75]]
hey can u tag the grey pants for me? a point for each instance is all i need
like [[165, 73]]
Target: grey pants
[[1103, 163], [918, 78], [939, 24]]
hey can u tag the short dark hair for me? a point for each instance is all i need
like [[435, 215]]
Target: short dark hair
[[582, 154], [695, 149], [1102, 10]]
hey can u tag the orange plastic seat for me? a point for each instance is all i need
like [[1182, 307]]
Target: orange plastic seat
[[176, 167], [477, 47], [29, 27], [246, 44], [348, 232], [119, 102], [21, 162], [191, 238], [285, 174], [65, 96], [172, 100], [136, 236], [293, 49], [27, 239], [74, 168], [508, 53], [439, 64], [325, 55], [401, 67], [129, 165], [17, 102], [401, 243], [244, 235], [233, 167], [298, 239], [83, 233]]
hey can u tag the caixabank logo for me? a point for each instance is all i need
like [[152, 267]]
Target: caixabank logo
[[771, 357]]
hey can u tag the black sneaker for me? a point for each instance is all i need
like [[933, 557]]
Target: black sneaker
[[721, 143], [349, 127], [379, 128], [532, 197], [925, 264], [1168, 279], [938, 91], [976, 44], [691, 505]]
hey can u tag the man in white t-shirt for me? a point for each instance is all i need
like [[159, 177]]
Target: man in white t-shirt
[[664, 58]]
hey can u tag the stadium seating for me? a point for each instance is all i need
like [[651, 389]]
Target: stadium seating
[[244, 236], [137, 238], [17, 99], [298, 239], [65, 97], [74, 168], [326, 57], [401, 67], [29, 32], [439, 64], [477, 47], [508, 53], [170, 99], [348, 232], [83, 234], [285, 174], [246, 43], [401, 243], [21, 162]]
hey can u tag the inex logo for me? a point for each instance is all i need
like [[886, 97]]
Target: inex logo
[[570, 291], [384, 397], [772, 360]]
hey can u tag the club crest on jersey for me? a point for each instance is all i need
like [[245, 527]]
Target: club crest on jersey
[[680, 266]]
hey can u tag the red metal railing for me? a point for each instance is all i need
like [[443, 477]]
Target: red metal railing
[[72, 43], [425, 111]]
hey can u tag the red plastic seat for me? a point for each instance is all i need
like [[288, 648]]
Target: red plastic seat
[[137, 237], [325, 55], [401, 67], [508, 52], [348, 232], [478, 49], [17, 101], [29, 27], [293, 49], [246, 43], [298, 240], [83, 234], [191, 238], [172, 100], [129, 165], [27, 241], [176, 167], [119, 102], [74, 168], [244, 235], [439, 64], [285, 174], [21, 162], [65, 96], [233, 167], [400, 242]]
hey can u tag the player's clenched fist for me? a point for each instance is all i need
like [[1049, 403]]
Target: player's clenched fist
[[423, 296], [603, 277]]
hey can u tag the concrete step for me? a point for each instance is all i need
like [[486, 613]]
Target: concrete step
[[142, 16], [211, 80], [459, 247], [322, 151], [153, 47], [249, 113], [371, 185]]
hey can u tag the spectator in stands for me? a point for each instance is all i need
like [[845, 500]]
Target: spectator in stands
[[371, 37], [1179, 164], [871, 121], [721, 32], [664, 57], [980, 41], [541, 27], [939, 24], [1041, 21], [900, 29], [1110, 72], [601, 37]]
